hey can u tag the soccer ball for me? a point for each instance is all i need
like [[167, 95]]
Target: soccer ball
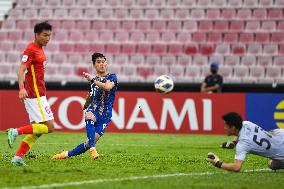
[[164, 84]]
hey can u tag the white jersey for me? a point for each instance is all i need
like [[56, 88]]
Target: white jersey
[[254, 140]]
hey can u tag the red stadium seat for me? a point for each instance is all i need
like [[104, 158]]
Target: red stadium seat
[[8, 24], [159, 25], [128, 25], [76, 13], [200, 60], [68, 25], [7, 46], [221, 26], [160, 49], [232, 60], [265, 3], [238, 49], [250, 3], [98, 25], [192, 72], [83, 3], [241, 71], [15, 35], [143, 25], [248, 60], [24, 3], [189, 25], [60, 35], [137, 36], [52, 47], [181, 14], [16, 14], [215, 37], [184, 60], [231, 37], [113, 25], [246, 37], [217, 58], [128, 48], [152, 37], [271, 49], [255, 48], [60, 13], [177, 71], [234, 3], [168, 60], [153, 60], [13, 58], [190, 49], [279, 2], [137, 59], [145, 72], [259, 14], [75, 35], [53, 3], [268, 26], [223, 49], [168, 37], [205, 25], [279, 61], [167, 14], [128, 3], [136, 13], [198, 37], [275, 13], [228, 14], [121, 14], [273, 72], [188, 3], [83, 25], [112, 49], [281, 49], [262, 37], [106, 36], [158, 3], [122, 60], [151, 14], [175, 49], [277, 37], [66, 47], [30, 13], [143, 3], [59, 58], [237, 26], [82, 48], [183, 36], [105, 13], [197, 14], [121, 36], [203, 3], [91, 13], [206, 49], [257, 72], [213, 14], [252, 25], [244, 14], [226, 71], [75, 59], [219, 3], [160, 70], [174, 26], [113, 3], [264, 61]]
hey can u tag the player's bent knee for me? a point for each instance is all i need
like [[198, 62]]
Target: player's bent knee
[[90, 116]]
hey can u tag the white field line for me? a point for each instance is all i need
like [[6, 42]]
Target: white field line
[[64, 184], [135, 145]]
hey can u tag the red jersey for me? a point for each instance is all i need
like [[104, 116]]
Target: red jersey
[[35, 60]]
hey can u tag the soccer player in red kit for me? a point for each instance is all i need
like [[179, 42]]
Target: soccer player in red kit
[[32, 92]]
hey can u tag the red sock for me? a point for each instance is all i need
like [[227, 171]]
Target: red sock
[[24, 148], [28, 129]]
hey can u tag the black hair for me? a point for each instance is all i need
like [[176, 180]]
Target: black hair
[[97, 55], [39, 27], [233, 119]]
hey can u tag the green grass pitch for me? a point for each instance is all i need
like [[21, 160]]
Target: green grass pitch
[[139, 161]]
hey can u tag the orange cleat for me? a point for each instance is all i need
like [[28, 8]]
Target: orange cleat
[[94, 153], [62, 155]]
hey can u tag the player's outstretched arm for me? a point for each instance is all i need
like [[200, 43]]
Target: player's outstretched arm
[[214, 159], [107, 86]]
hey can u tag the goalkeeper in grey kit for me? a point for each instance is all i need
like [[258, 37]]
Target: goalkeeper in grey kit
[[252, 139]]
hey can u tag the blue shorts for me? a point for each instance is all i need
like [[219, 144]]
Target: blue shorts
[[101, 122]]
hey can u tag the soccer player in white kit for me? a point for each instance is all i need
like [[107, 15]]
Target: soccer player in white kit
[[252, 139]]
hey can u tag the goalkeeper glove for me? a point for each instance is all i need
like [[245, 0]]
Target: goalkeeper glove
[[229, 144], [214, 159]]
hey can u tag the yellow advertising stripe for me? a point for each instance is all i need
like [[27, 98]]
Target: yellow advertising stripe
[[279, 115], [280, 125], [37, 94]]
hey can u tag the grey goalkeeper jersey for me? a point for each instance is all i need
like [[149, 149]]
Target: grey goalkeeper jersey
[[254, 140]]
